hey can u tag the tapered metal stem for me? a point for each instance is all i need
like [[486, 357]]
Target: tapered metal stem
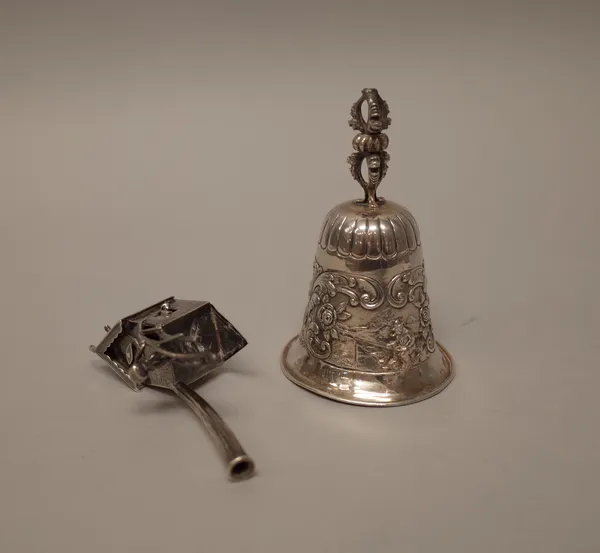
[[239, 465]]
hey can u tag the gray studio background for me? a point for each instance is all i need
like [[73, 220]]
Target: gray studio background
[[190, 148]]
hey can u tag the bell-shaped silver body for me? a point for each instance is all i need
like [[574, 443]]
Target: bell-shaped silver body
[[367, 336]]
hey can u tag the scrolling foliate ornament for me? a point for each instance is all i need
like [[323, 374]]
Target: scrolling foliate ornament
[[403, 284], [410, 287], [406, 288], [325, 311], [321, 326], [405, 340]]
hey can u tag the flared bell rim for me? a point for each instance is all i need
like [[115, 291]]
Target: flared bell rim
[[376, 390]]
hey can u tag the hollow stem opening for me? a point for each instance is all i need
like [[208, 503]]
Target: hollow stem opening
[[241, 468]]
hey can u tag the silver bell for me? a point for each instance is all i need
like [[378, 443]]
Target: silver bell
[[367, 337]]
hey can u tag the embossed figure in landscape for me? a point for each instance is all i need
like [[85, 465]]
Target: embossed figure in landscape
[[395, 341]]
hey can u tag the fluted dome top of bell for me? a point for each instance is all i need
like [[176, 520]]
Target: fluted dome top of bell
[[353, 230]]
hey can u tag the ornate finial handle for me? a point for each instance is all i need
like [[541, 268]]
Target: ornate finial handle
[[370, 143]]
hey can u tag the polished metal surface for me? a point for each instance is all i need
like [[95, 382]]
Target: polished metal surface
[[367, 337], [171, 345]]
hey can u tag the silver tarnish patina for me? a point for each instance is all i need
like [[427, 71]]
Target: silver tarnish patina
[[367, 337], [171, 345]]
